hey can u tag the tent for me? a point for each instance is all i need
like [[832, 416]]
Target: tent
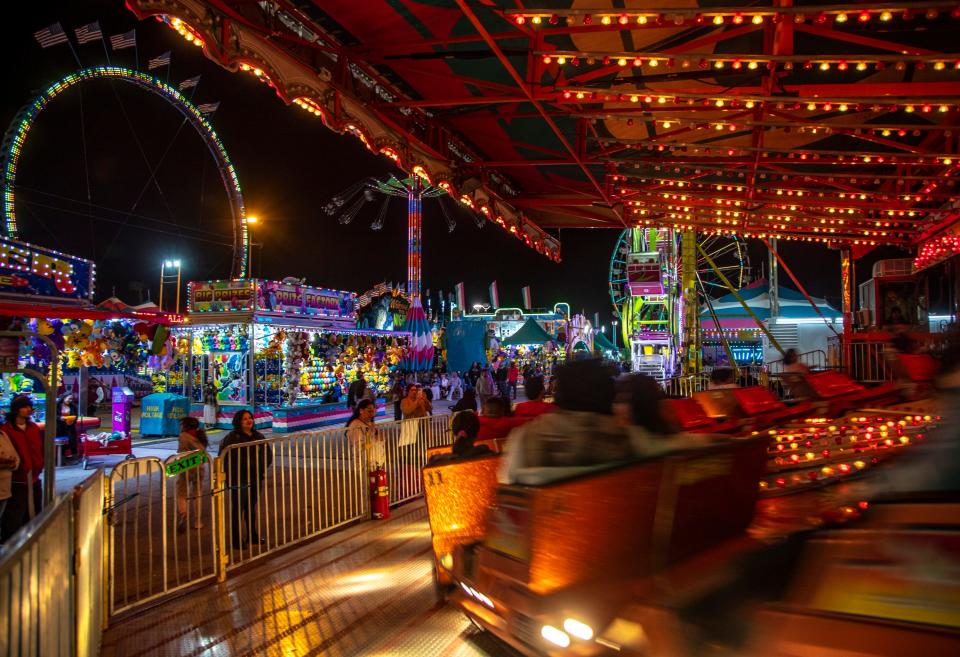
[[530, 333], [793, 306]]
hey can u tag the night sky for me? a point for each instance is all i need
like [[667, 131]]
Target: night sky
[[112, 134]]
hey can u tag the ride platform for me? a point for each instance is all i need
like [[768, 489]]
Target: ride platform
[[366, 590]]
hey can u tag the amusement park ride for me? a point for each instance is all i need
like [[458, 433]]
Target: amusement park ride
[[690, 129]]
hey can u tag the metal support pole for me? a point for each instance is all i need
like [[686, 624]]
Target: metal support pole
[[160, 302], [178, 289], [188, 370], [414, 236], [774, 282], [846, 293], [691, 310], [83, 396], [251, 370]]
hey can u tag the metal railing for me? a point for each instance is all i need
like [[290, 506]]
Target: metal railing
[[51, 579], [166, 533], [150, 551], [815, 359], [685, 386]]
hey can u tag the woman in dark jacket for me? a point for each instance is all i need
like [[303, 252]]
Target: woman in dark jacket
[[67, 416], [245, 467], [26, 498]]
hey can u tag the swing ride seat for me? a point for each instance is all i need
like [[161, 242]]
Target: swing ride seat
[[919, 368], [458, 494], [844, 393], [758, 403], [693, 418]]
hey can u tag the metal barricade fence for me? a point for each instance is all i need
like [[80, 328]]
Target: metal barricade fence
[[160, 531], [280, 491], [88, 546], [167, 530], [37, 586]]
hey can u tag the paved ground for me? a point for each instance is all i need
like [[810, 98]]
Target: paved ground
[[364, 591]]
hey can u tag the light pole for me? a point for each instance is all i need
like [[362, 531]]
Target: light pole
[[251, 221], [164, 265], [615, 322]]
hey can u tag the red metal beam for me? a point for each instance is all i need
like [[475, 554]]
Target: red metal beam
[[478, 26], [879, 44]]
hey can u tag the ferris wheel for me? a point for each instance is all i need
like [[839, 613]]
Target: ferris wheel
[[729, 254]]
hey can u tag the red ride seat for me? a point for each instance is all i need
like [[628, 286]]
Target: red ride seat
[[919, 368], [691, 417], [759, 403], [845, 393]]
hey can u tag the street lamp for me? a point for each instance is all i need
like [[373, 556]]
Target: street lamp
[[251, 221], [169, 264], [615, 322]]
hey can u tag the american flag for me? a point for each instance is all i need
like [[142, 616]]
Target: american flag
[[89, 32], [189, 83], [51, 36], [208, 108], [125, 40], [158, 61]]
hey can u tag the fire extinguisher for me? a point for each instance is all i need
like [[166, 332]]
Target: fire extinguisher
[[379, 495]]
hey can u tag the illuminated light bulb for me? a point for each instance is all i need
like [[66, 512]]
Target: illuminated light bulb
[[812, 106], [908, 108], [718, 64], [752, 65], [843, 107], [561, 60], [944, 108], [662, 100], [520, 20], [537, 20], [947, 160], [623, 20], [654, 63], [939, 66], [642, 20], [605, 20], [757, 19], [719, 103], [861, 66], [547, 59], [666, 125], [841, 17], [885, 16], [634, 99], [825, 66], [750, 104], [864, 16], [718, 20], [622, 61]]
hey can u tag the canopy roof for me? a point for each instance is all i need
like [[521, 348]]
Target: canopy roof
[[793, 305], [833, 123], [529, 333]]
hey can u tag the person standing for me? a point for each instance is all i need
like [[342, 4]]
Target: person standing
[[190, 483], [67, 413], [26, 493], [362, 434], [356, 390], [513, 376], [9, 461], [486, 388], [210, 404], [415, 404], [396, 394], [246, 468]]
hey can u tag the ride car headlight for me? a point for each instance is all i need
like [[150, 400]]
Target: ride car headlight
[[578, 629], [555, 636]]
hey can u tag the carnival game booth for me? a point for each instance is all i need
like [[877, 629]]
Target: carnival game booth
[[790, 317], [532, 346], [283, 349]]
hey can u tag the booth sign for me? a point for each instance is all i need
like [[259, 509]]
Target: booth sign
[[38, 272]]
